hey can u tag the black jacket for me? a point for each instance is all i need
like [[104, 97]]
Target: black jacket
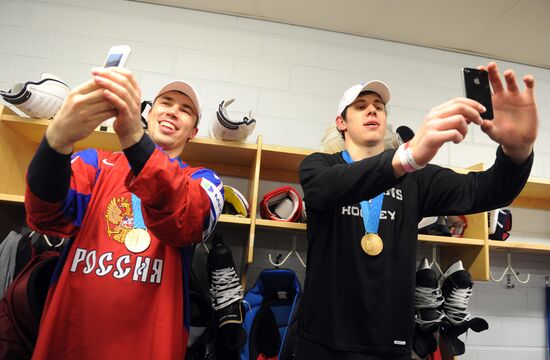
[[360, 303]]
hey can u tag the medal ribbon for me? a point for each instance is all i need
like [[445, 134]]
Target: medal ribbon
[[371, 209], [138, 216]]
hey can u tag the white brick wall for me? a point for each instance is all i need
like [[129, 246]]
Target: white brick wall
[[322, 82], [467, 154], [546, 166], [208, 66], [291, 78], [74, 20], [261, 73], [8, 67], [286, 104], [25, 41], [14, 12]]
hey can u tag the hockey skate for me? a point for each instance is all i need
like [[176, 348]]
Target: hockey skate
[[427, 299], [457, 290], [227, 293]]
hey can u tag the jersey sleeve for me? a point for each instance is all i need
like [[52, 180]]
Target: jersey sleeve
[[443, 191], [181, 205], [63, 218], [328, 184]]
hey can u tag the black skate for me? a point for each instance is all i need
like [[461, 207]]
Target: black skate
[[457, 290], [227, 294], [427, 299]]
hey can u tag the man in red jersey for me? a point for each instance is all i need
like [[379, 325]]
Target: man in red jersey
[[120, 289]]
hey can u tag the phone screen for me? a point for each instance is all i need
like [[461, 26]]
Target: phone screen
[[113, 60], [476, 85]]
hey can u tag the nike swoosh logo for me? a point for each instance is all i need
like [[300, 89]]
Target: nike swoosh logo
[[107, 163]]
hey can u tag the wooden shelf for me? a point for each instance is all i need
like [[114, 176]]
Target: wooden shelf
[[518, 247], [32, 128], [535, 195], [12, 198], [281, 225], [281, 163], [448, 240], [224, 157], [232, 219]]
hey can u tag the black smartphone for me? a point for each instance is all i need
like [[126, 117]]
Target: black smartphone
[[476, 85]]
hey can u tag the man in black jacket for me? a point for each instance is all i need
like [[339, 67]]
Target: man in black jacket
[[364, 204]]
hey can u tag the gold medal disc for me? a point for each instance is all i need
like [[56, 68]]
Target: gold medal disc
[[372, 244], [137, 240]]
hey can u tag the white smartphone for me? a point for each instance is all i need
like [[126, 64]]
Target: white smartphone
[[118, 55]]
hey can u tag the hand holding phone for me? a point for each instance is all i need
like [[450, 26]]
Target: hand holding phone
[[117, 56], [476, 85]]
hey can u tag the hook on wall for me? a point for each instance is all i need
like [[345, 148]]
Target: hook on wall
[[434, 260], [277, 263], [510, 271]]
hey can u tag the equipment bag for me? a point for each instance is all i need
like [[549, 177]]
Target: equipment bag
[[270, 315], [22, 305]]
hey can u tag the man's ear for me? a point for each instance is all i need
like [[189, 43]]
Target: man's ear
[[193, 134], [148, 115], [340, 123]]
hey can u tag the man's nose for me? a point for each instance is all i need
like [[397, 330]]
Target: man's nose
[[171, 111], [371, 109]]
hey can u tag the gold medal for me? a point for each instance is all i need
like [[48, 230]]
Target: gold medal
[[372, 244], [137, 240]]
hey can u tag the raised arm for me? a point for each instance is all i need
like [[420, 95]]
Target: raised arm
[[54, 190], [515, 124], [328, 183]]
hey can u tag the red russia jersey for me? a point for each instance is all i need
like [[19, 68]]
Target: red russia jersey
[[106, 302]]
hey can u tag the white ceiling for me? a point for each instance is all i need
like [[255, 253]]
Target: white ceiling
[[513, 30]]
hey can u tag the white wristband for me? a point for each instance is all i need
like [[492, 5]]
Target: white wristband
[[407, 161], [410, 158], [401, 153]]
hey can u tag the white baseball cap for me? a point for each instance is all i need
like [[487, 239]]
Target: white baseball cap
[[377, 86], [187, 89]]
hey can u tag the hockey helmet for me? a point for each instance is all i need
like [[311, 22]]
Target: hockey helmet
[[222, 127], [38, 99], [235, 203], [282, 204]]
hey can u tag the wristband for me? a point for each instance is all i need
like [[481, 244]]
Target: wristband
[[407, 161], [410, 158], [403, 159]]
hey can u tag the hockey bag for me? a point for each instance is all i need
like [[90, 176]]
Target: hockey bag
[[270, 315]]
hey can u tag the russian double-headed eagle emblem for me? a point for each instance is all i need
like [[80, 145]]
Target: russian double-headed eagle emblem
[[120, 219]]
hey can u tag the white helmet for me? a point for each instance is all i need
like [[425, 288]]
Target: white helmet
[[38, 99], [223, 128]]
